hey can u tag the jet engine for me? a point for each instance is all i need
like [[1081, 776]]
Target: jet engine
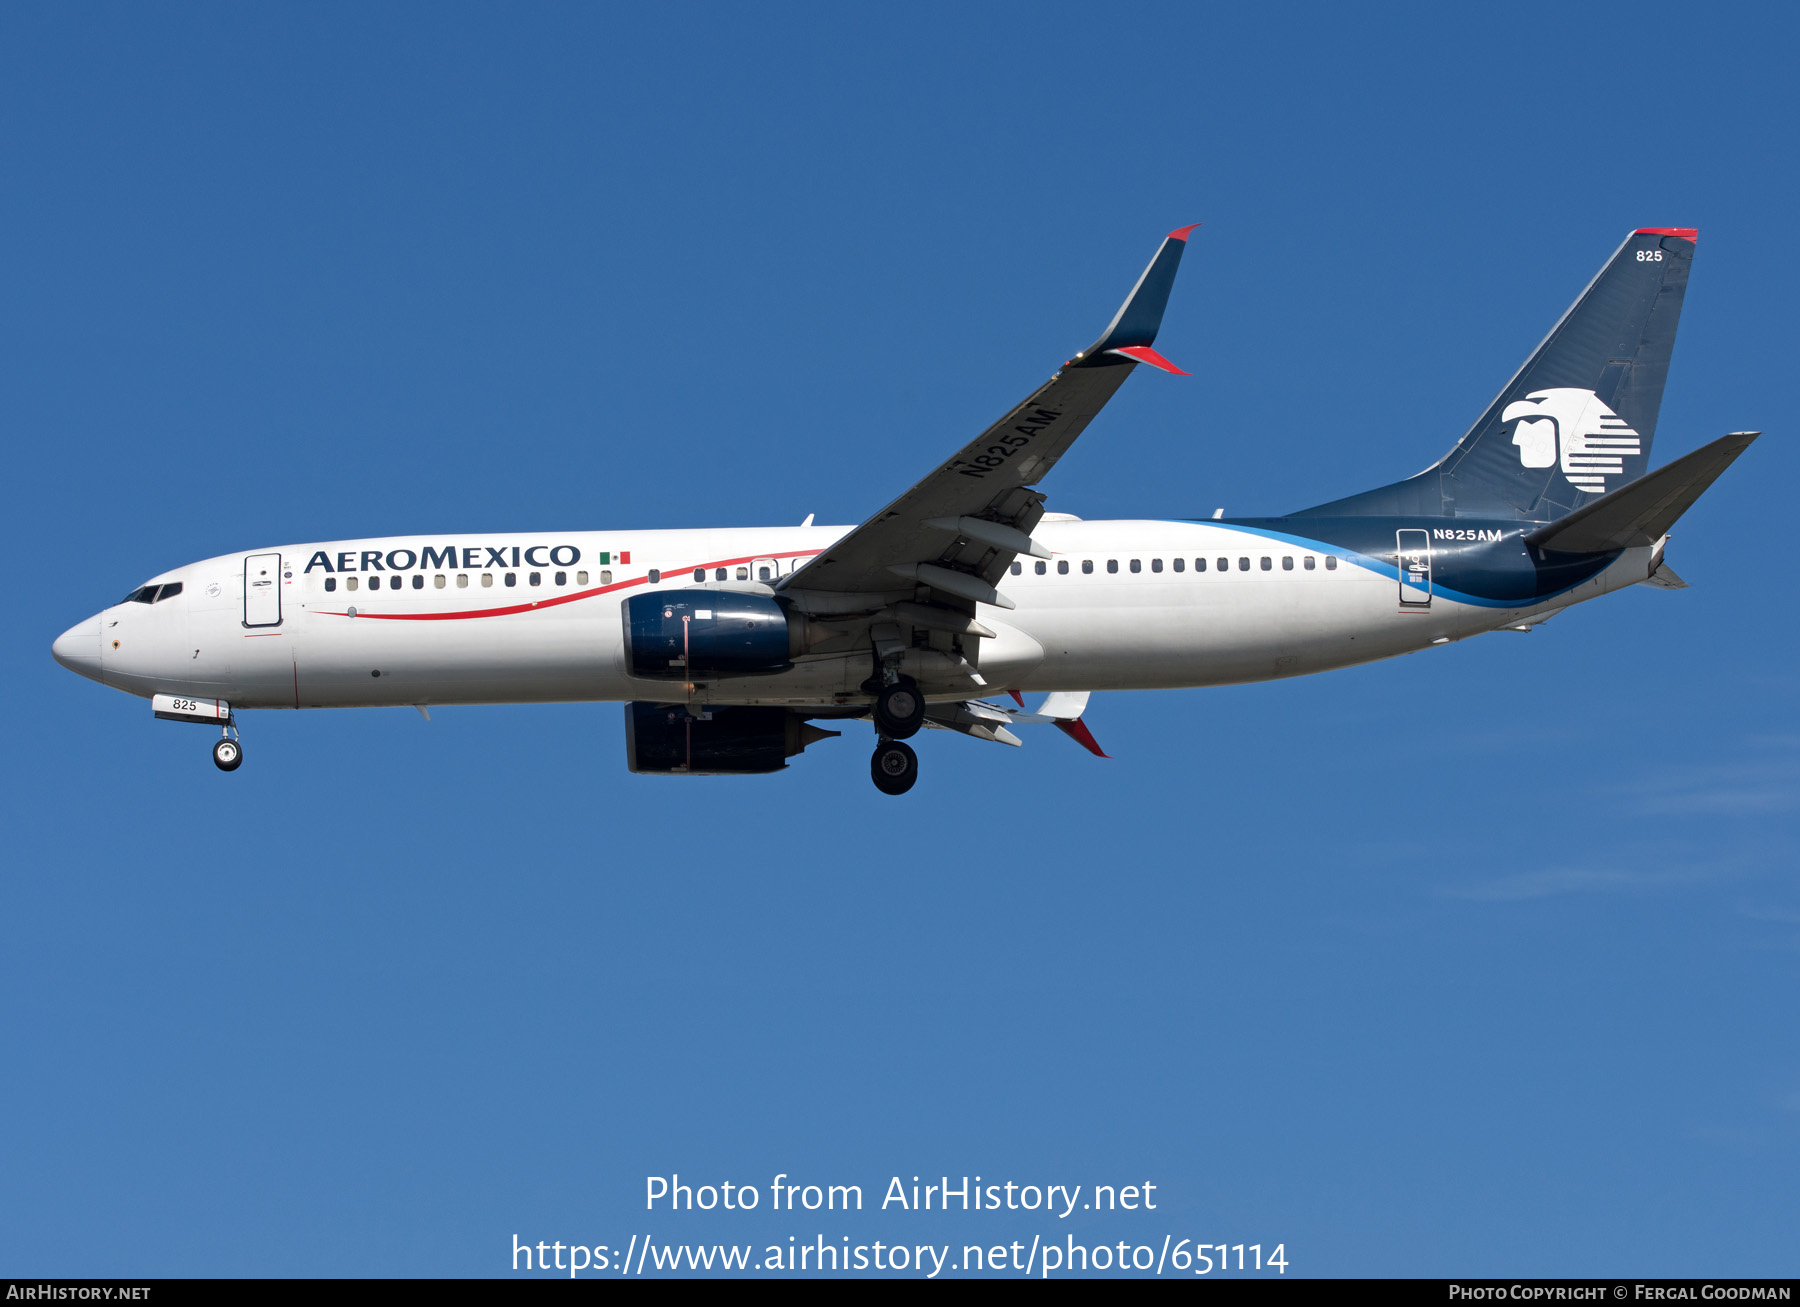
[[662, 737], [693, 635]]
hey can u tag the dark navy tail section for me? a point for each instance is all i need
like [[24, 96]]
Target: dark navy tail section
[[1576, 421]]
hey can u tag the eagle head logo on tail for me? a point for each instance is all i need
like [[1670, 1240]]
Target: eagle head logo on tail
[[1594, 440]]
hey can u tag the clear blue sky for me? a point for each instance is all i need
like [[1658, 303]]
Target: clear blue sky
[[1478, 961]]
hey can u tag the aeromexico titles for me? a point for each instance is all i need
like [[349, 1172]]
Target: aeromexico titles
[[730, 648]]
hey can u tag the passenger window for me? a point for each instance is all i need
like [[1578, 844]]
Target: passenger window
[[1199, 564], [1156, 564], [330, 584], [1042, 569], [1331, 562], [606, 576], [581, 578], [562, 578], [1087, 566], [1309, 562], [765, 574], [487, 579], [437, 582], [1137, 565], [1180, 563], [1287, 562], [1265, 563], [743, 574], [394, 582], [536, 578], [1225, 564], [1062, 567], [462, 580], [655, 576], [1243, 564], [1018, 568], [699, 573], [419, 581], [349, 583], [1112, 564]]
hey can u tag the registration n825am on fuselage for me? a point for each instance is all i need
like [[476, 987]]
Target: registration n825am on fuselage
[[732, 650]]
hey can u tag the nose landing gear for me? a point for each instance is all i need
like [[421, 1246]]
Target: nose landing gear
[[227, 751]]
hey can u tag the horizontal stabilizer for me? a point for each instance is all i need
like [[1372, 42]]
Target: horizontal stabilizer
[[1641, 512]]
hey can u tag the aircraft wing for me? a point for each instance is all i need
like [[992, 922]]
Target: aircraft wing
[[948, 540]]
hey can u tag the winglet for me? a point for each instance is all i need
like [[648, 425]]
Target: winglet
[[1134, 327], [1144, 354], [1077, 731], [1064, 709]]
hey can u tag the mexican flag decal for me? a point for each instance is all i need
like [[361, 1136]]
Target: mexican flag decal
[[622, 557]]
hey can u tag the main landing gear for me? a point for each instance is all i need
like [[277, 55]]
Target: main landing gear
[[899, 713], [899, 710], [228, 752], [895, 767]]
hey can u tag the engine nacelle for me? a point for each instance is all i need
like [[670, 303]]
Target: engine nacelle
[[696, 635], [662, 737]]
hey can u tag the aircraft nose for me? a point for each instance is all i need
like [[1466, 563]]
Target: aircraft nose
[[78, 648]]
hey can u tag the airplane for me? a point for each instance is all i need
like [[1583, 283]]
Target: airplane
[[727, 645]]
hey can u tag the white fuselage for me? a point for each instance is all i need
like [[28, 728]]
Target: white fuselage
[[511, 619]]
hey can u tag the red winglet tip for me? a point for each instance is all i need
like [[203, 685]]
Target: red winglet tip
[[1017, 697], [1078, 732], [1144, 354], [1684, 233], [1181, 233]]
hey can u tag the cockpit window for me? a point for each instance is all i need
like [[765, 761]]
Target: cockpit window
[[151, 594]]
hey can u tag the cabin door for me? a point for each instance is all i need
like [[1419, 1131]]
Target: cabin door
[[1413, 557], [262, 590]]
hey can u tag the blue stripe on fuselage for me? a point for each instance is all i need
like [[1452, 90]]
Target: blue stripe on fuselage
[[1494, 573]]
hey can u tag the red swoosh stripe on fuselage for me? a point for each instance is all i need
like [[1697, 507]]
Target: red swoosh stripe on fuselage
[[538, 604]]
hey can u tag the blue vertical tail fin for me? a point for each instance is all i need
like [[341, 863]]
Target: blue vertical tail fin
[[1576, 421]]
